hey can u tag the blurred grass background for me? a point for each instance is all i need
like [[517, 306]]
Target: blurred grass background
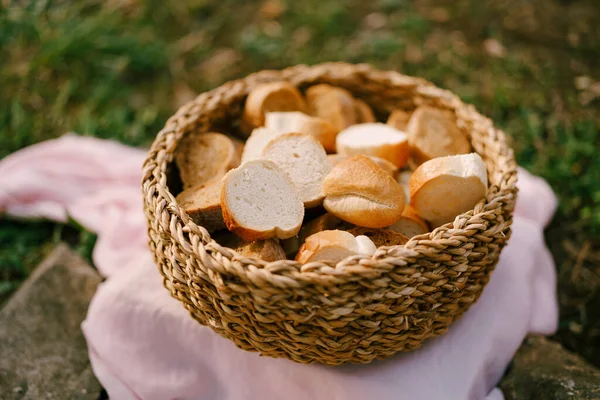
[[119, 69]]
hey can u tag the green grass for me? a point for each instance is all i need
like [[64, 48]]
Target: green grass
[[119, 71]]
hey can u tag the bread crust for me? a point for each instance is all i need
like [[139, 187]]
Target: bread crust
[[381, 237], [333, 245], [467, 171], [272, 96], [360, 192], [433, 133], [398, 119], [201, 157], [411, 217], [364, 112], [202, 204], [333, 104]]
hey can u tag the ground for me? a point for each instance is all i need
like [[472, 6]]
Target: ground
[[118, 69]]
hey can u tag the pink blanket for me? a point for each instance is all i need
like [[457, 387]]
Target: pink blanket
[[143, 344]]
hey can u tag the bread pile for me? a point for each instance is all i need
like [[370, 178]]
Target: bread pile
[[320, 179]]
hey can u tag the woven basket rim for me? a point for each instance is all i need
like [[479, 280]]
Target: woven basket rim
[[289, 273]]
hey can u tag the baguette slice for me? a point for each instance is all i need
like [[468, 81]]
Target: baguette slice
[[304, 160], [259, 201], [410, 223], [256, 143], [380, 237], [201, 157], [203, 205], [360, 192], [273, 96], [442, 188], [403, 179], [267, 250], [374, 139], [287, 122], [333, 104], [334, 246], [433, 133], [364, 113], [387, 166], [399, 119]]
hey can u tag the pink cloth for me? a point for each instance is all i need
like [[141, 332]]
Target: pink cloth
[[144, 345]]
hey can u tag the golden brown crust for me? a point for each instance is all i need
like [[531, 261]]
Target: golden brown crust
[[267, 250], [201, 157], [202, 204], [333, 104], [339, 244], [381, 237], [410, 223], [433, 133], [360, 192], [364, 113], [272, 96], [399, 119]]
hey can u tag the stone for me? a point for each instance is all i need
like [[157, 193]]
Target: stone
[[543, 369], [43, 351]]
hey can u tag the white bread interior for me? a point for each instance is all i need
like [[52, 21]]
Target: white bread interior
[[374, 139], [259, 201]]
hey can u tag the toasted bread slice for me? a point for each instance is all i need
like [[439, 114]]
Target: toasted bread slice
[[433, 133], [203, 205], [201, 157], [272, 96], [304, 160], [334, 246], [374, 139], [333, 104], [288, 122], [410, 223], [259, 201], [360, 192], [442, 188], [380, 237]]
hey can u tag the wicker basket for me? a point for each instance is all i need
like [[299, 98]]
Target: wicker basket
[[362, 308]]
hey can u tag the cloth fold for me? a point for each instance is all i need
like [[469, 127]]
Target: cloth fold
[[144, 345]]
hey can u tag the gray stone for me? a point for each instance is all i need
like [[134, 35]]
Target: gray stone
[[543, 369], [43, 351]]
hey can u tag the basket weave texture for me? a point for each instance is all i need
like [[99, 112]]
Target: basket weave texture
[[362, 308]]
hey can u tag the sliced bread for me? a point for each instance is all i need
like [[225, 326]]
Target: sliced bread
[[288, 122], [380, 237], [334, 246], [442, 188], [272, 96], [323, 222], [203, 205], [333, 104], [374, 139], [257, 141], [410, 223], [399, 119], [201, 157], [259, 201], [304, 160], [364, 113], [433, 133], [267, 250], [360, 192]]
